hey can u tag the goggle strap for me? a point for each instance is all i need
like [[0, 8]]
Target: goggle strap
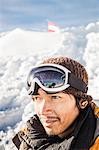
[[77, 83]]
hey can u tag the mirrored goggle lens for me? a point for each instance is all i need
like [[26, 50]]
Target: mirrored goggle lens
[[48, 78]]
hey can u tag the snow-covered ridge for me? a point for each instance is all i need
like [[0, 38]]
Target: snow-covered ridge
[[21, 42]]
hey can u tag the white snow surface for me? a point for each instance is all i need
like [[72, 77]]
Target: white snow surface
[[20, 50]]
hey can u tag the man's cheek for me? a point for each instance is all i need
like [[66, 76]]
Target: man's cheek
[[36, 109]]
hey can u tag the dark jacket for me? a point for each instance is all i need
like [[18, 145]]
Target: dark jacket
[[84, 136]]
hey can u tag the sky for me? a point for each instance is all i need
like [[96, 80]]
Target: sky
[[34, 14]]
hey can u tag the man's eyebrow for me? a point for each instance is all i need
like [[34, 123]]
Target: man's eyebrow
[[55, 94], [34, 96]]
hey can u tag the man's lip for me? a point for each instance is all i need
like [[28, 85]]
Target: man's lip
[[49, 119]]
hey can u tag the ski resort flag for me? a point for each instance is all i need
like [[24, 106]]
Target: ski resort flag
[[52, 27]]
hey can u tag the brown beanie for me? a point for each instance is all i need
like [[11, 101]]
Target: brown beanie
[[78, 70]]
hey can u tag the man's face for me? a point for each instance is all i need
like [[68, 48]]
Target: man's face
[[55, 111]]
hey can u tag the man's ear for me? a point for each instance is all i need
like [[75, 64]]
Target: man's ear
[[83, 103]]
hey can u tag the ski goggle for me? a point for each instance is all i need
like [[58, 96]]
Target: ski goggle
[[53, 78]]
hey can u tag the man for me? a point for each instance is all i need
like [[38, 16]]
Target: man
[[65, 116]]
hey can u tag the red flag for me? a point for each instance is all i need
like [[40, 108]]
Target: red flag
[[52, 27]]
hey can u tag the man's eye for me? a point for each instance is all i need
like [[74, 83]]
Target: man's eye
[[56, 97], [36, 98]]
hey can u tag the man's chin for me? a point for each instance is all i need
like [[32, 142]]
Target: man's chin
[[51, 128], [49, 131]]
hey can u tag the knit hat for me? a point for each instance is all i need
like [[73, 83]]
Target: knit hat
[[77, 69]]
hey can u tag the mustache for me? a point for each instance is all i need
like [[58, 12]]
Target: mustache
[[49, 118]]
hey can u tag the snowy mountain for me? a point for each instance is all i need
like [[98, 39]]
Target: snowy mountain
[[19, 42], [20, 50]]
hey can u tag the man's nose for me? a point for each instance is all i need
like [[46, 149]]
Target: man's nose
[[45, 104]]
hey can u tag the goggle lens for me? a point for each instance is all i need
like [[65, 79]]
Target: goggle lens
[[50, 78]]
